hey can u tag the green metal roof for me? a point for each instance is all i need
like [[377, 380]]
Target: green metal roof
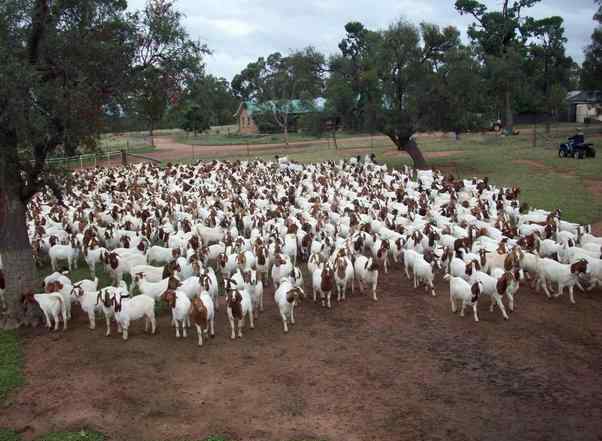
[[292, 106]]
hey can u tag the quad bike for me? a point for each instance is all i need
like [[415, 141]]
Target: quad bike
[[571, 149]]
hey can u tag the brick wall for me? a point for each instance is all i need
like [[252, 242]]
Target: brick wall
[[246, 124]]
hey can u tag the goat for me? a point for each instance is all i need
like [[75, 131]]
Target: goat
[[161, 255], [128, 309], [507, 284], [566, 276], [70, 253], [366, 272], [323, 283], [52, 305], [489, 286], [154, 290], [179, 303], [343, 275], [286, 297], [460, 289], [422, 272], [282, 269], [104, 299], [202, 315], [88, 300], [238, 306]]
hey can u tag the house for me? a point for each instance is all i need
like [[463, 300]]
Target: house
[[248, 109], [584, 105]]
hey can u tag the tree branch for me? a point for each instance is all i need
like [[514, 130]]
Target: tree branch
[[38, 28]]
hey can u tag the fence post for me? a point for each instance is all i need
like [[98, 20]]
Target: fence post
[[248, 149], [81, 161], [124, 157], [94, 160]]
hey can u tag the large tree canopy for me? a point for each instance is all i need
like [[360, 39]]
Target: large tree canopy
[[501, 38], [281, 79], [165, 60], [591, 75], [62, 63]]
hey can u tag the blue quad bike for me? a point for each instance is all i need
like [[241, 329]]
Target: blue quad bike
[[571, 149]]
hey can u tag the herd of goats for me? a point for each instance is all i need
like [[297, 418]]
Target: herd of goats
[[172, 231]]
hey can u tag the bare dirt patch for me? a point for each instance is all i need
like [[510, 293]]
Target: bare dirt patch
[[403, 368], [539, 165], [394, 153]]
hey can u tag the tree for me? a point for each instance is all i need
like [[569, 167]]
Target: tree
[[592, 65], [452, 94], [550, 68], [196, 120], [406, 58], [62, 64], [165, 59], [501, 37], [278, 80]]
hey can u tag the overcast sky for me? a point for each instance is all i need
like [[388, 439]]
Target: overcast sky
[[240, 31]]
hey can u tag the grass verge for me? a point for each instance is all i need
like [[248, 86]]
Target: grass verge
[[11, 363]]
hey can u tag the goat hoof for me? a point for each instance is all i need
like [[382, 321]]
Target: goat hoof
[[212, 335]]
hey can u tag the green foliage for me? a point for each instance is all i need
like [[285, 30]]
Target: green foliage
[[500, 38], [196, 119], [165, 59], [9, 435], [592, 65], [11, 363], [61, 66], [280, 79]]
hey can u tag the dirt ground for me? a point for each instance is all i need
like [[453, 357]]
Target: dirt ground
[[404, 368]]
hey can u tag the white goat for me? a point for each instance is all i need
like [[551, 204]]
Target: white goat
[[52, 305], [566, 276], [286, 297], [366, 272], [129, 309], [179, 303], [460, 289], [422, 272], [70, 253]]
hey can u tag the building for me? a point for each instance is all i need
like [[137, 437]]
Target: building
[[584, 105], [248, 109]]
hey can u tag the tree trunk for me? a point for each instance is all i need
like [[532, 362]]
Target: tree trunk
[[19, 269], [410, 146], [508, 110]]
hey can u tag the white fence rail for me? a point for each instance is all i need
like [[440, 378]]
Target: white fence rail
[[81, 161]]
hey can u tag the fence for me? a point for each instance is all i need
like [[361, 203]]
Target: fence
[[100, 158], [81, 161]]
